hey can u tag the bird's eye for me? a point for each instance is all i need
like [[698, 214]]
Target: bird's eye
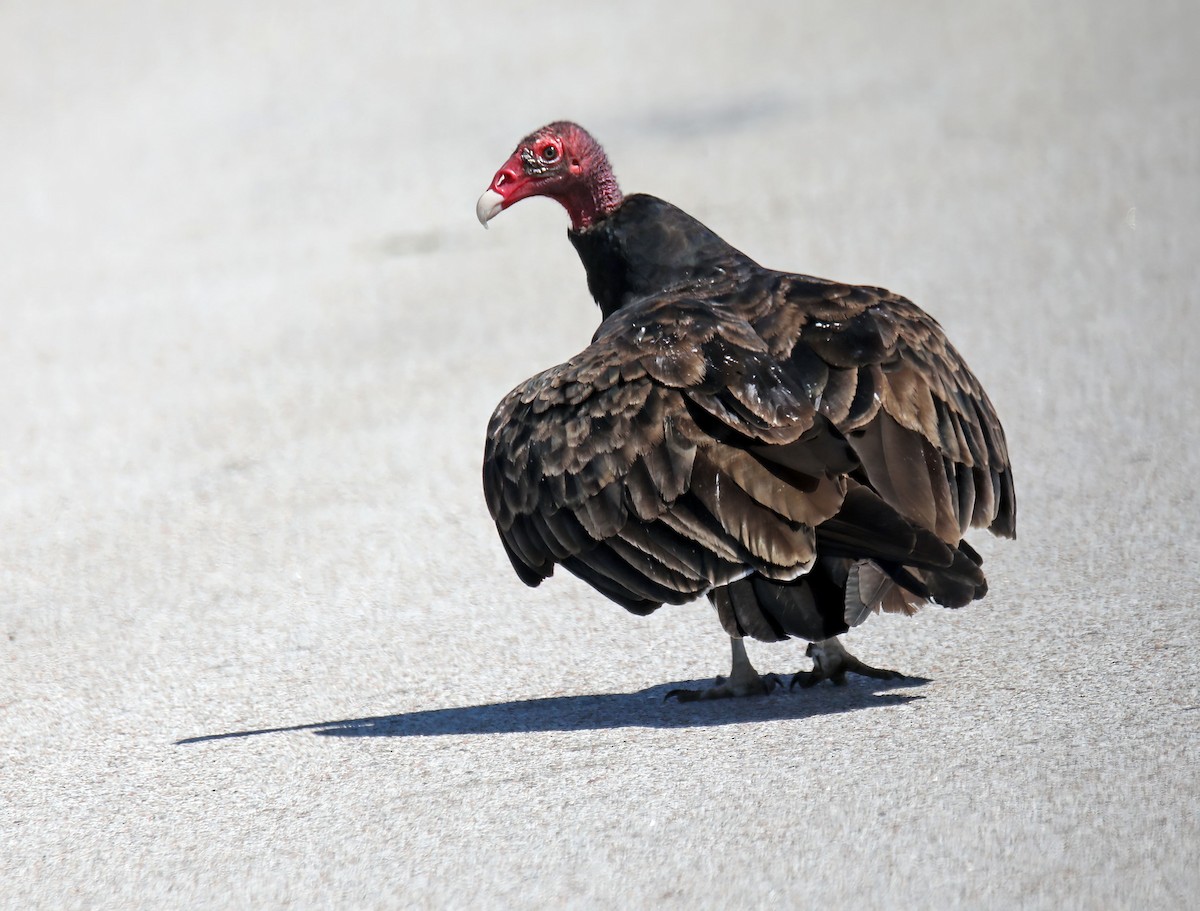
[[549, 154]]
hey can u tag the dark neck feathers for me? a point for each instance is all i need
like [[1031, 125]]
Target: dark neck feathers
[[648, 246]]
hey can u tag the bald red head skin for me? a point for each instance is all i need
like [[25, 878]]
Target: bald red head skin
[[560, 161]]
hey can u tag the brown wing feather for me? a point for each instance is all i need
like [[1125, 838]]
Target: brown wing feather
[[698, 441], [883, 372], [628, 464]]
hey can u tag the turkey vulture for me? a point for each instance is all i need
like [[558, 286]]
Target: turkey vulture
[[803, 452]]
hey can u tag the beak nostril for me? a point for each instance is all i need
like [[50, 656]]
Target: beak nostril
[[505, 177]]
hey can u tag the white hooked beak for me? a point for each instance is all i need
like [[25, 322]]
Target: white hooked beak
[[489, 206]]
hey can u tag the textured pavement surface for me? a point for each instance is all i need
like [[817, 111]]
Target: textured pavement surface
[[259, 644]]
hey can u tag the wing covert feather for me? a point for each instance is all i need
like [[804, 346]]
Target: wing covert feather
[[927, 434], [600, 464]]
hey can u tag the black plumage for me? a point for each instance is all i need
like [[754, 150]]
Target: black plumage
[[802, 451]]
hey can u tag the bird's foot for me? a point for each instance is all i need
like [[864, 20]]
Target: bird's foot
[[832, 662], [752, 684]]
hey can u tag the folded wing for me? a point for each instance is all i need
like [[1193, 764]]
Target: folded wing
[[882, 371], [671, 456]]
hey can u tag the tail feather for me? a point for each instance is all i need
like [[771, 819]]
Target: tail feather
[[870, 558], [809, 607]]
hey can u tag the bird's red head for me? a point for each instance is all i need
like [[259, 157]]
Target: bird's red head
[[561, 161]]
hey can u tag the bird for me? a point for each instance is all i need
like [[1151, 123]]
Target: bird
[[802, 452]]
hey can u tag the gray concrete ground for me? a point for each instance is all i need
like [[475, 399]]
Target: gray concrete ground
[[259, 645]]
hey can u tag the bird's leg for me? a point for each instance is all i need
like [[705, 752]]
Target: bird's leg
[[743, 680], [832, 662]]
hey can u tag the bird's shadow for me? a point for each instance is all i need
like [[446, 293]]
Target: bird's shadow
[[644, 708]]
